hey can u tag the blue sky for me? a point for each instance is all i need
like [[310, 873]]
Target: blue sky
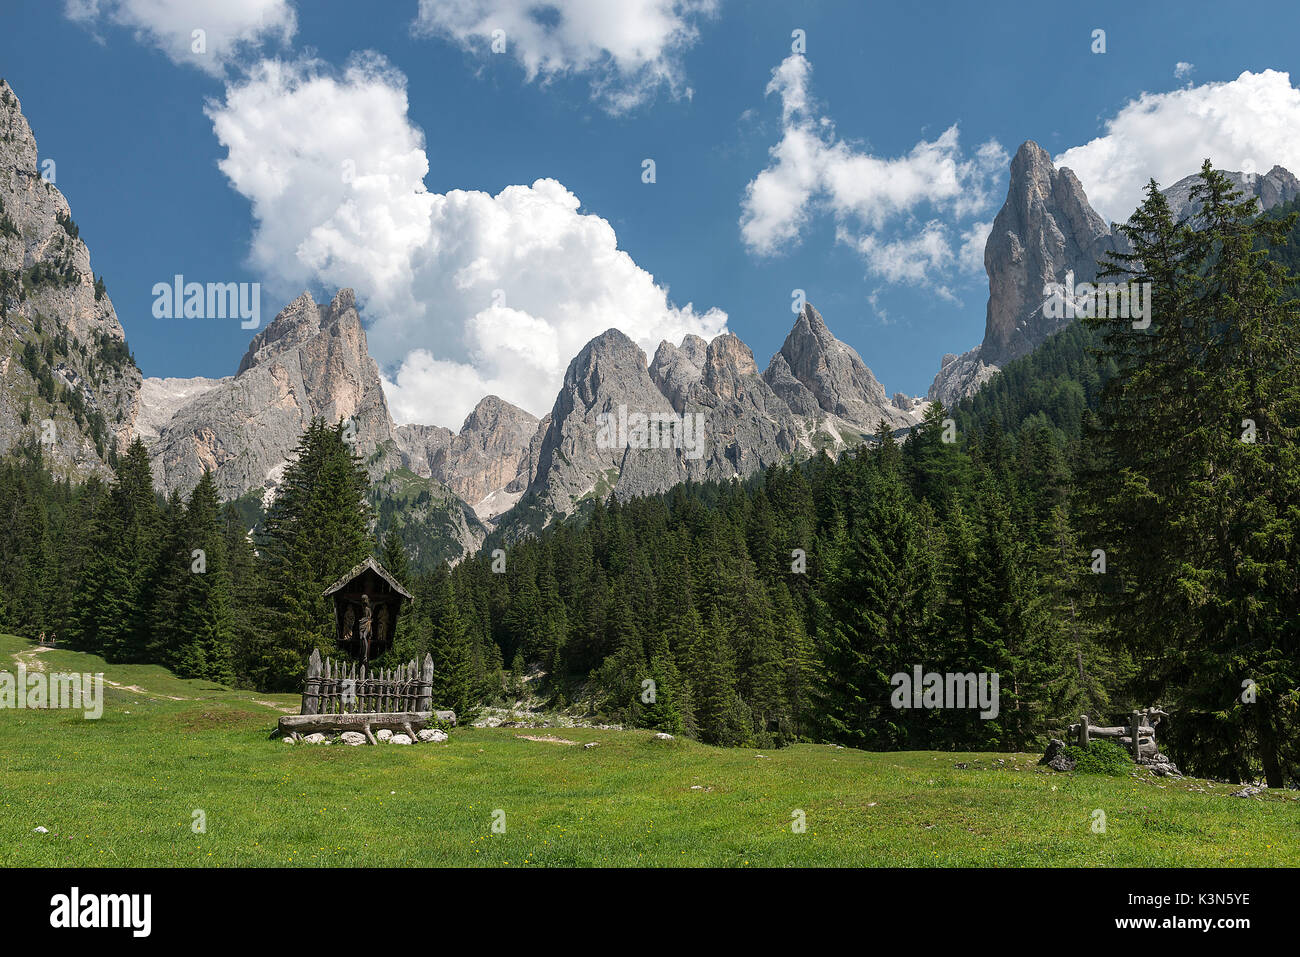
[[137, 127]]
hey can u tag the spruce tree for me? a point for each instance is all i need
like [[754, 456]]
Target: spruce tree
[[720, 714], [451, 647], [315, 531], [875, 618], [1197, 445], [114, 611], [247, 630], [194, 634]]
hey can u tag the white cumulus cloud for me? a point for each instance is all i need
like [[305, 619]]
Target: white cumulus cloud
[[465, 293], [1244, 124], [628, 48], [812, 170], [207, 34], [973, 240], [909, 258]]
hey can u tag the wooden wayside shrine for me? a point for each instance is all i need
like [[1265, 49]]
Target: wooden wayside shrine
[[367, 601], [351, 695]]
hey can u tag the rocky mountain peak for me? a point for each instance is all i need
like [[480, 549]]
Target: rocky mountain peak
[[608, 359], [18, 144], [701, 411], [1273, 188], [486, 464], [298, 322], [492, 413], [1045, 228], [582, 451], [811, 320], [311, 362], [675, 369], [1033, 169], [59, 333], [612, 343], [1279, 185], [695, 349], [727, 354], [816, 371]]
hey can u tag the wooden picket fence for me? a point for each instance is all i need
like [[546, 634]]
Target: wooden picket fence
[[346, 687]]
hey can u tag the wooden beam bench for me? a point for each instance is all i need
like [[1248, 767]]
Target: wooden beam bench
[[405, 721]]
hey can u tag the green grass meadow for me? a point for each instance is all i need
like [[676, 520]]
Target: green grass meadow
[[124, 791]]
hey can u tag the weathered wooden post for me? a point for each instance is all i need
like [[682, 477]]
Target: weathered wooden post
[[425, 690], [311, 692], [1134, 730], [1083, 730]]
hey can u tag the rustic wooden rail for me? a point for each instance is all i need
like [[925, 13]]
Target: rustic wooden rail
[[1138, 736]]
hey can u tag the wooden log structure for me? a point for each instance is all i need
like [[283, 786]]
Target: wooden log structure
[[408, 722], [1138, 736], [1121, 731]]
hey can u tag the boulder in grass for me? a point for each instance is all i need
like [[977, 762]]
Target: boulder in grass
[[433, 735], [400, 739], [1161, 766], [1062, 762], [1056, 757], [383, 734], [663, 736], [352, 738], [315, 738]]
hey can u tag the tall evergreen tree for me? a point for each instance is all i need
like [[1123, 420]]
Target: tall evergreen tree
[[115, 607], [315, 531], [452, 648], [1198, 430], [193, 631], [875, 619]]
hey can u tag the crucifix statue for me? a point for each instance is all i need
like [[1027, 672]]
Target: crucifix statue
[[365, 628], [367, 601]]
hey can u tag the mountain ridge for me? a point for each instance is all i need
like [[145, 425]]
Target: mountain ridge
[[312, 361]]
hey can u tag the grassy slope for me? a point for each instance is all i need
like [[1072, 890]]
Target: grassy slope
[[122, 791]]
